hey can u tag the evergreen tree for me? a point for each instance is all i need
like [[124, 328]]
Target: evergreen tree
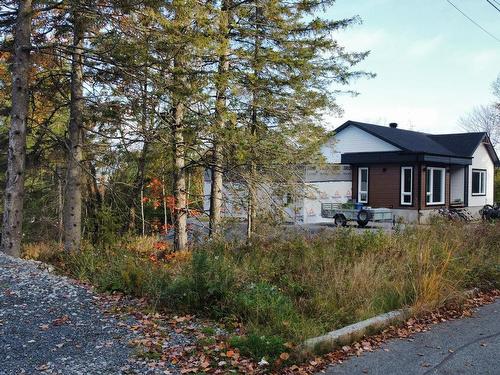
[[289, 64], [14, 190]]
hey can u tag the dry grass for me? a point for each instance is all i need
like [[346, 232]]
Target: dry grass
[[300, 287]]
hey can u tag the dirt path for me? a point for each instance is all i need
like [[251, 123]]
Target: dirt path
[[51, 325]]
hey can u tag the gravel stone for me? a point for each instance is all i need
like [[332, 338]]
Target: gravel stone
[[51, 325]]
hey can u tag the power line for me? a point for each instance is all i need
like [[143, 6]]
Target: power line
[[493, 5], [474, 22]]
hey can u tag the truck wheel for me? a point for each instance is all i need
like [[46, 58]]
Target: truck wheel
[[363, 218], [340, 220]]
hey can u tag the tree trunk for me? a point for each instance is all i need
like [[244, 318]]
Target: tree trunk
[[141, 164], [180, 212], [165, 209], [60, 204], [252, 175], [94, 202], [216, 192], [138, 187], [216, 197], [73, 191], [143, 221], [14, 189], [252, 201]]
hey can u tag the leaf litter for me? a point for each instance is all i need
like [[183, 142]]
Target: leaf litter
[[195, 351]]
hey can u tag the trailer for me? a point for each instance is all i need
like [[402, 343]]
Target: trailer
[[343, 213]]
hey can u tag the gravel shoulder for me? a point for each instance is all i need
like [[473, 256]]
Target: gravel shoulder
[[49, 324]]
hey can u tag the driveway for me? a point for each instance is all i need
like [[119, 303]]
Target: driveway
[[465, 346], [51, 325], [236, 230]]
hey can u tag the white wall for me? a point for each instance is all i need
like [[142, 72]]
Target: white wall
[[481, 160], [234, 201], [305, 209], [457, 183], [324, 192], [353, 139]]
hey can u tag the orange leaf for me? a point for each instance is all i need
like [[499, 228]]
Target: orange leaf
[[284, 356]]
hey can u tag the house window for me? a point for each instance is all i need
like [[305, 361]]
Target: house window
[[478, 182], [363, 185], [435, 184], [406, 186]]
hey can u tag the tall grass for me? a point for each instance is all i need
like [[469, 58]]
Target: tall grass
[[300, 287]]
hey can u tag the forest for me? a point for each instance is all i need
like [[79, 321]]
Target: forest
[[117, 110]]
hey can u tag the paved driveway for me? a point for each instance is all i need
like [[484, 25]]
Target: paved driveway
[[465, 346]]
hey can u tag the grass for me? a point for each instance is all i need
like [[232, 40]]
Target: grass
[[286, 290]]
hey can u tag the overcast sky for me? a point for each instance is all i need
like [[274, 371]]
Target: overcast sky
[[432, 64]]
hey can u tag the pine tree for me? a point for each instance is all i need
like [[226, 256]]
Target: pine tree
[[14, 191], [221, 78], [72, 211], [289, 64]]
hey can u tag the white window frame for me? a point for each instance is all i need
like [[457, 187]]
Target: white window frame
[[360, 169], [403, 192], [482, 182], [430, 174]]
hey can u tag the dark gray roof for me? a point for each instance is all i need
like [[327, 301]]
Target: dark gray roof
[[460, 143], [453, 145]]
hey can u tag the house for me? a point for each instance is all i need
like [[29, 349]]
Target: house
[[415, 173], [412, 173]]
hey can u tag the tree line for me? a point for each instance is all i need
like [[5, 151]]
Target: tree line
[[108, 105]]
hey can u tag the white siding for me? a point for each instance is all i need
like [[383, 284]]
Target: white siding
[[353, 139], [324, 192], [481, 160], [457, 183]]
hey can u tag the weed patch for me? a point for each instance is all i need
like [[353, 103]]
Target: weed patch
[[289, 289]]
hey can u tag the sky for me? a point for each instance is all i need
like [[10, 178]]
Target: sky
[[432, 64]]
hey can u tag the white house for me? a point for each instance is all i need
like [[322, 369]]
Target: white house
[[412, 173]]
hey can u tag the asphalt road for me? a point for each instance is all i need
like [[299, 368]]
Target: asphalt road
[[465, 346]]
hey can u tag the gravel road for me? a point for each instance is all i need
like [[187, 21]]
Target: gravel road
[[51, 325]]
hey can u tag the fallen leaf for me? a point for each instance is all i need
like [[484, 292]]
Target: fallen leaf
[[284, 356], [60, 321]]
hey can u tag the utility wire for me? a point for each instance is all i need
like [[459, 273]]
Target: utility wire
[[497, 2], [493, 5], [474, 22]]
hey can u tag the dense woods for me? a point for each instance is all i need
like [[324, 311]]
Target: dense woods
[[113, 111]]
